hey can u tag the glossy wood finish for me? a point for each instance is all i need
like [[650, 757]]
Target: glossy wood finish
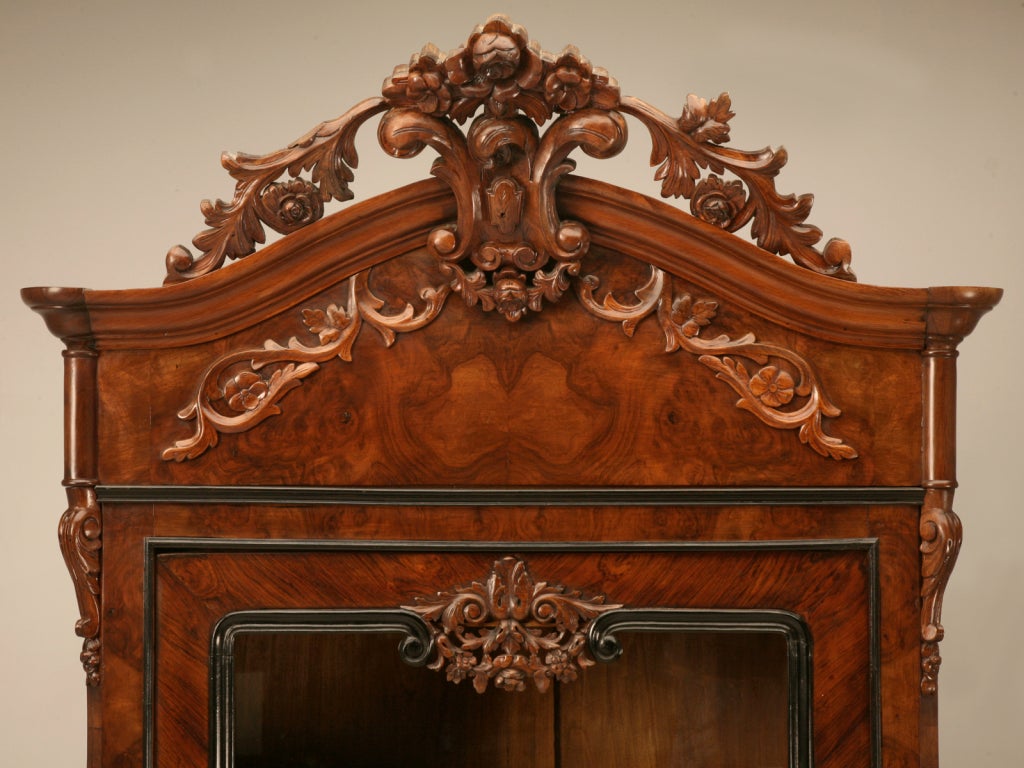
[[509, 326]]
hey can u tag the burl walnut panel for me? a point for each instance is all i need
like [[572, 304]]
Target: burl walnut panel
[[566, 399]]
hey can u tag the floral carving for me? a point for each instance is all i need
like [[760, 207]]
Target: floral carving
[[567, 86], [707, 121], [772, 386], [510, 630], [423, 84], [253, 381], [510, 295], [718, 202], [245, 391], [291, 205], [501, 75]]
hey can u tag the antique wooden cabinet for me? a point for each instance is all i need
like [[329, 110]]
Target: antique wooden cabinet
[[511, 467]]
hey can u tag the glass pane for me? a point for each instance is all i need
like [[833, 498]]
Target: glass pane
[[700, 700], [346, 700], [340, 700]]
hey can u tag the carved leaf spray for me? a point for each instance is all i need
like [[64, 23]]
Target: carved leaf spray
[[508, 251]]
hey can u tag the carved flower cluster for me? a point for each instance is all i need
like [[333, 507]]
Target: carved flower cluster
[[245, 391], [510, 630], [500, 69]]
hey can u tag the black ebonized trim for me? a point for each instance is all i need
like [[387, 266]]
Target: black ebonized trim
[[156, 546], [605, 647], [504, 497]]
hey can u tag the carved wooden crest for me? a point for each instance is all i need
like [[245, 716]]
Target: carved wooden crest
[[510, 630], [509, 250]]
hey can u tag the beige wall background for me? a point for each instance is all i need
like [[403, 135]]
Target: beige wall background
[[904, 118]]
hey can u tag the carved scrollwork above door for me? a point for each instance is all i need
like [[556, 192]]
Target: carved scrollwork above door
[[510, 630], [509, 250]]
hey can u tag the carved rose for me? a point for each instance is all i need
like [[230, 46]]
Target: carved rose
[[510, 295], [495, 67], [291, 205], [496, 55], [718, 202], [245, 391], [772, 386], [567, 87], [422, 84]]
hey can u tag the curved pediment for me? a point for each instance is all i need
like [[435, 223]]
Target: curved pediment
[[298, 267]]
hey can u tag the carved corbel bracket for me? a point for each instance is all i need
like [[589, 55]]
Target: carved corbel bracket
[[941, 536], [81, 544], [80, 529], [508, 250]]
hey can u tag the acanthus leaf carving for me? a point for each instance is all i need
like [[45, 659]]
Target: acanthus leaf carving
[[508, 85], [510, 630], [327, 152]]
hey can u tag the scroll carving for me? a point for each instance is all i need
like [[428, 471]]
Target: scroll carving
[[941, 536], [241, 389], [510, 630], [509, 251], [79, 534], [783, 391]]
